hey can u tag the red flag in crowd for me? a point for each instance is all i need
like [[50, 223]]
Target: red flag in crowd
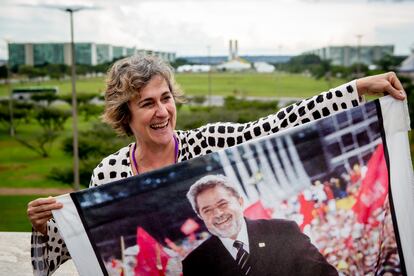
[[306, 209], [374, 187], [189, 226], [257, 211], [151, 259]]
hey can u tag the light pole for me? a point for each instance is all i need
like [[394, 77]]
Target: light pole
[[71, 10], [76, 178]]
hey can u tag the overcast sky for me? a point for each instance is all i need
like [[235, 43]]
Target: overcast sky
[[187, 27]]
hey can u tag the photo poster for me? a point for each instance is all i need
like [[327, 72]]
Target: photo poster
[[346, 180]]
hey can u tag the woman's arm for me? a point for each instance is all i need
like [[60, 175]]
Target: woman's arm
[[387, 83], [213, 137], [48, 250]]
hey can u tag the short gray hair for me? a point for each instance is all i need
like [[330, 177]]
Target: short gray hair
[[208, 182], [125, 81]]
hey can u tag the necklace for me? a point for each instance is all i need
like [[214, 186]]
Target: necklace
[[135, 148]]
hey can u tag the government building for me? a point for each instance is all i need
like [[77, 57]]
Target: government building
[[85, 53], [348, 55]]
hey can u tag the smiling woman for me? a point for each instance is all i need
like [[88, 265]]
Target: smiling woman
[[153, 121], [140, 101]]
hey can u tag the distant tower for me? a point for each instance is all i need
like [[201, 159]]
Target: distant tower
[[230, 49], [236, 50], [233, 52]]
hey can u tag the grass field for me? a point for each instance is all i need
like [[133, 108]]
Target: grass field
[[21, 167], [13, 213], [93, 85], [245, 84]]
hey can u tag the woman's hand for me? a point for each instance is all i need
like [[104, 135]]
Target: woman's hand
[[39, 212], [387, 83]]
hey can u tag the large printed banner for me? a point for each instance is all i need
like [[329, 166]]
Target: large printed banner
[[346, 181]]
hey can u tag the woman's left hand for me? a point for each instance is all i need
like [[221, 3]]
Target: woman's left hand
[[387, 83]]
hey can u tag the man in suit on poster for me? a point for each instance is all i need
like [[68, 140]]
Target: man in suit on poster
[[239, 246]]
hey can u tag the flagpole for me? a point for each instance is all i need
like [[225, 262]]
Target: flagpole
[[122, 255]]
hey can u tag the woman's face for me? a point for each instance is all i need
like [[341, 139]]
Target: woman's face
[[153, 113]]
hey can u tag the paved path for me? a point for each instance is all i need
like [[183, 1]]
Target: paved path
[[35, 191], [15, 256], [219, 100]]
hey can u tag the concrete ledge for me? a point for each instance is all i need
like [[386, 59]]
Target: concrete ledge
[[15, 256]]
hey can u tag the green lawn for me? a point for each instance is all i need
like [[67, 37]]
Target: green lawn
[[21, 167], [13, 213], [253, 84], [93, 85], [246, 84]]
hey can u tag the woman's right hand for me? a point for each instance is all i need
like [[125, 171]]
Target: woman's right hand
[[39, 212], [387, 83]]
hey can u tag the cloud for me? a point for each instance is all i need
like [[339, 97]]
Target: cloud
[[189, 27]]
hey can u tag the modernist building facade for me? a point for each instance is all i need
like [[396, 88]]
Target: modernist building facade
[[86, 53], [348, 55]]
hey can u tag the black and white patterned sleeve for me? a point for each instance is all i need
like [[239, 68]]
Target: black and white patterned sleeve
[[114, 167], [48, 252], [213, 137]]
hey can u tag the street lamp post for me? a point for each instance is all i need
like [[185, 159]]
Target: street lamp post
[[76, 178], [71, 10]]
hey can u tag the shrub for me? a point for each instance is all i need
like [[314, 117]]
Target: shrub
[[94, 144]]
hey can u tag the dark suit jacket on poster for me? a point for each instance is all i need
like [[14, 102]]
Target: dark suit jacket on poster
[[286, 252]]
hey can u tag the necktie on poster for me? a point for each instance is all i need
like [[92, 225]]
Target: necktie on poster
[[242, 257], [345, 182]]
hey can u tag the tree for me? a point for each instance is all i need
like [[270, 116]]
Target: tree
[[322, 70], [57, 71], [389, 62], [359, 69], [4, 72], [51, 120], [302, 63], [93, 147], [41, 98], [31, 72], [21, 112], [178, 62], [90, 110]]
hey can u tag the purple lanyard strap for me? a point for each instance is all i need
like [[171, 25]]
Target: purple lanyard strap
[[175, 153]]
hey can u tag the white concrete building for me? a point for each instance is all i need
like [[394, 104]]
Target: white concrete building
[[236, 65], [264, 67]]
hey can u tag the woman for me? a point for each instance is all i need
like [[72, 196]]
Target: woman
[[140, 100]]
